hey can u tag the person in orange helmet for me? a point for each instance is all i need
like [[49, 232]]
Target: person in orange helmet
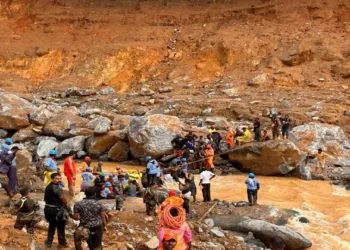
[[169, 241], [230, 137], [172, 200], [85, 164], [209, 154]]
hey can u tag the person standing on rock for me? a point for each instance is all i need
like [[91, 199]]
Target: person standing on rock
[[285, 121], [50, 166], [275, 127], [257, 130], [245, 137], [70, 171], [191, 137], [193, 187], [150, 198], [252, 189], [92, 217], [321, 161], [265, 136], [205, 179], [56, 202], [230, 137], [7, 167]]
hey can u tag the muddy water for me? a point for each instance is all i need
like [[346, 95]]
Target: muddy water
[[327, 207]]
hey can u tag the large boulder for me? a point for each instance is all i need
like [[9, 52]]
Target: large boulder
[[96, 145], [294, 54], [14, 111], [23, 159], [44, 147], [262, 230], [62, 123], [266, 158], [119, 152], [40, 116], [75, 144], [152, 135], [26, 134], [331, 139], [121, 121], [100, 125]]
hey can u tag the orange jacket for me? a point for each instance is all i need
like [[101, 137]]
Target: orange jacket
[[230, 137]]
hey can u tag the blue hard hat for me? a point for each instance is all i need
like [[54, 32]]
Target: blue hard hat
[[251, 175], [184, 160], [52, 152], [108, 184], [148, 158], [87, 169], [8, 141], [103, 174]]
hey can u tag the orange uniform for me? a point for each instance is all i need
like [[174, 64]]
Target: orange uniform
[[70, 169], [230, 137], [209, 153]]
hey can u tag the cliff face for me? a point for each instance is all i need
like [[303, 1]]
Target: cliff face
[[297, 51]]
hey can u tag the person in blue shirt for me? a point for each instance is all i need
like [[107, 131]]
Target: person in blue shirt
[[50, 166], [6, 146], [107, 190], [152, 170], [184, 168], [87, 177], [252, 189]]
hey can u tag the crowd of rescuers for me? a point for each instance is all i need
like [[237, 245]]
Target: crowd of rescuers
[[190, 152]]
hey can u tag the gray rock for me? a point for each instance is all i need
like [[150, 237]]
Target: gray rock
[[152, 135], [259, 79], [232, 92], [217, 233], [209, 222], [80, 92], [302, 172], [347, 113], [139, 111], [207, 111], [106, 91], [152, 244], [3, 133], [100, 125], [40, 116], [263, 231], [279, 157], [146, 92], [165, 90], [311, 114], [44, 147], [81, 154], [75, 144], [103, 157], [310, 137], [43, 138], [88, 112], [25, 135]]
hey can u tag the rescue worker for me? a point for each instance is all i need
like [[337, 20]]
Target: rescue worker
[[321, 161], [6, 146], [265, 136], [285, 121], [275, 127], [184, 168], [150, 198], [86, 164], [230, 137], [118, 190], [191, 137], [169, 241], [98, 168], [245, 137], [209, 154], [7, 167], [134, 175], [185, 189], [87, 177], [70, 171], [50, 166], [193, 187], [99, 182], [107, 191], [152, 170], [252, 189], [257, 129], [211, 130], [26, 211]]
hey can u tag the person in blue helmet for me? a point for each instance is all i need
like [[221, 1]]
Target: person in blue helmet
[[184, 168], [50, 166], [252, 189], [6, 146], [152, 170]]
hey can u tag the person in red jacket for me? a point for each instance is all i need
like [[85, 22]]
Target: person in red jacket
[[70, 171]]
